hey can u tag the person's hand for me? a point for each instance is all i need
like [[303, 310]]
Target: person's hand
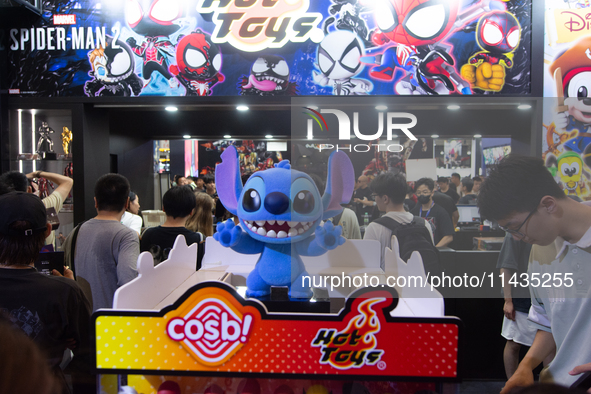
[[68, 273], [579, 369], [509, 310], [521, 378], [33, 175], [356, 200]]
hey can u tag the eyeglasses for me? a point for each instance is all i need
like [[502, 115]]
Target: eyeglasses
[[516, 231]]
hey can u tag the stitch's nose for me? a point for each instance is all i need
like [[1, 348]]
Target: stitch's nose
[[276, 203]]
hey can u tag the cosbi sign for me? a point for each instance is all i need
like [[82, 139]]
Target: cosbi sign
[[395, 121]]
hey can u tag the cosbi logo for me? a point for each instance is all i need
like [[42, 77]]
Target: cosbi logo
[[355, 346], [211, 331], [392, 120]]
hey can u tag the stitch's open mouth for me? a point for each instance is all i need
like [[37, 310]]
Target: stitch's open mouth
[[277, 228]]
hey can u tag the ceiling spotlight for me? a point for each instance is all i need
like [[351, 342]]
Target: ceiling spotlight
[[171, 109], [268, 136], [226, 136], [453, 107], [524, 106], [186, 136], [381, 107], [242, 108], [434, 135], [477, 135]]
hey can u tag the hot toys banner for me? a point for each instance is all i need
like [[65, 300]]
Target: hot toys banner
[[271, 48], [567, 88], [211, 331]]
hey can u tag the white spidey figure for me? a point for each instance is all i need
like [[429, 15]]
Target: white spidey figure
[[338, 57]]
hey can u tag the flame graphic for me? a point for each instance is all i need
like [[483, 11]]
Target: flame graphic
[[364, 325]]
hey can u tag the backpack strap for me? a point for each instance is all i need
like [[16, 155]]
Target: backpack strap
[[336, 219], [388, 222], [73, 247]]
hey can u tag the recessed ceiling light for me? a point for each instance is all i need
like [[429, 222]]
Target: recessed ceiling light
[[381, 107], [477, 135], [227, 136], [268, 136], [453, 107], [524, 106], [171, 109], [434, 135], [186, 136], [242, 108]]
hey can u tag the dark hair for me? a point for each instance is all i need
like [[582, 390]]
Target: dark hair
[[516, 184], [477, 179], [442, 179], [132, 196], [20, 249], [3, 188], [468, 183], [391, 185], [15, 181], [456, 175], [179, 201], [208, 179], [318, 182], [177, 176], [425, 181], [111, 192]]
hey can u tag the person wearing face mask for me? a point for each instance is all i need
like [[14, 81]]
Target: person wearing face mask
[[443, 229], [131, 216]]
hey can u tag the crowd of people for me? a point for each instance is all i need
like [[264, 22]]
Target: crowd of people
[[101, 255]]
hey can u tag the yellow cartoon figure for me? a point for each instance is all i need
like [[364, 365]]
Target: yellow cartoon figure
[[570, 168], [498, 34]]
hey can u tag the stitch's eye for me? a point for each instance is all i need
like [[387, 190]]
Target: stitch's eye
[[251, 201], [304, 202]]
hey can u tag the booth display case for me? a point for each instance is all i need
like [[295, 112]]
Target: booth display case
[[195, 332]]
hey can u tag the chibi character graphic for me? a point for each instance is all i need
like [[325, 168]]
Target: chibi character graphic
[[280, 211], [346, 15], [413, 33], [269, 76], [498, 34], [554, 139], [153, 19], [570, 169], [112, 71], [572, 73], [199, 62], [338, 59]]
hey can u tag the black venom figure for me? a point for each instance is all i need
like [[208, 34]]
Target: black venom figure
[[269, 76]]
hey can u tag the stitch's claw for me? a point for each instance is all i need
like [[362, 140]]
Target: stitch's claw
[[329, 236], [228, 234]]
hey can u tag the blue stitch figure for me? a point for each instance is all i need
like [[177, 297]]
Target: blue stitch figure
[[280, 210]]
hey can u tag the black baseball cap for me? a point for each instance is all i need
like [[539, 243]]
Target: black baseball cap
[[20, 206]]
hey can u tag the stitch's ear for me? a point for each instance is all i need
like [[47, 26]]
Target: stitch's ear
[[339, 185], [227, 176]]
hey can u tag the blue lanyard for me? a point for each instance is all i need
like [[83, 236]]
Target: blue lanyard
[[427, 214]]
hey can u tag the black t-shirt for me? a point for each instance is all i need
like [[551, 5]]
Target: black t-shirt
[[163, 238], [453, 187], [50, 310], [446, 202], [468, 199], [452, 193], [439, 219]]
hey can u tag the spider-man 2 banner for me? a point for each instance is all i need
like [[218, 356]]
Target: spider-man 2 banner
[[271, 48]]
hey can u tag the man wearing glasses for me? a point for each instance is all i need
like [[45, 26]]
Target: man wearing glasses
[[522, 196]]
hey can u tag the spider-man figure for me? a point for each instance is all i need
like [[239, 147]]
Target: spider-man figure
[[199, 61], [498, 34], [154, 20], [416, 29]]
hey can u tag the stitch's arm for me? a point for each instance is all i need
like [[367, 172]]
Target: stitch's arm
[[232, 236], [326, 238]]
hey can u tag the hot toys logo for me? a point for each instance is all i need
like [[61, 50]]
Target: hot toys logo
[[254, 25], [211, 331], [355, 346]]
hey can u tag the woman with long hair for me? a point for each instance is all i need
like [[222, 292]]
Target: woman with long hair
[[201, 220]]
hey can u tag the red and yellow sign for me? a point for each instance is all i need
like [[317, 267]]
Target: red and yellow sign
[[212, 330]]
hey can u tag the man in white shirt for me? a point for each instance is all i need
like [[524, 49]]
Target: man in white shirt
[[389, 191]]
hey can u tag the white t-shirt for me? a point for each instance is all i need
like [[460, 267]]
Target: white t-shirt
[[384, 235], [132, 221], [350, 224], [54, 200]]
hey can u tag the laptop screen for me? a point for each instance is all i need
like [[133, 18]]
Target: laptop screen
[[468, 214]]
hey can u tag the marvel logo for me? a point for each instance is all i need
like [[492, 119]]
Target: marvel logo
[[64, 19], [14, 91], [211, 330]]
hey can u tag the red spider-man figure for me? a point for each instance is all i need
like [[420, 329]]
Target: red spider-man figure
[[416, 28], [199, 61]]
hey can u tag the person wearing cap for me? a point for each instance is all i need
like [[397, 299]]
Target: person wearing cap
[[52, 310], [443, 183], [19, 182], [105, 252]]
